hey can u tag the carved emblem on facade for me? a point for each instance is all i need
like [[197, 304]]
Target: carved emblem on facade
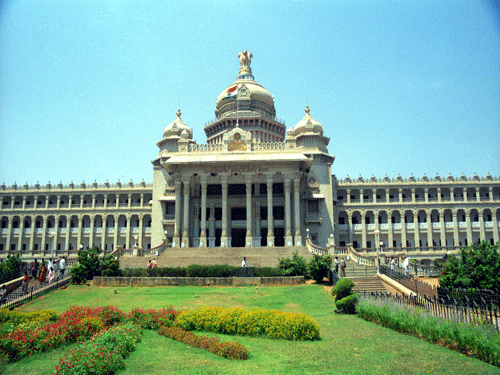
[[237, 144], [245, 61]]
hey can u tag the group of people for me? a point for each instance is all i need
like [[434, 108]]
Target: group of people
[[152, 263], [343, 266], [44, 272]]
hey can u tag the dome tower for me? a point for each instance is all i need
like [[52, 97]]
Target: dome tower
[[247, 105]]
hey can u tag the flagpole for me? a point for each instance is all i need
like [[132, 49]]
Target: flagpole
[[237, 107]]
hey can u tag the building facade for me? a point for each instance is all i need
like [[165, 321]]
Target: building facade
[[253, 184]]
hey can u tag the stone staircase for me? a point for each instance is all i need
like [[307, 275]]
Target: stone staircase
[[369, 284], [183, 257]]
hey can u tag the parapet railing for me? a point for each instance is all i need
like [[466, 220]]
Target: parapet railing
[[360, 258], [314, 249]]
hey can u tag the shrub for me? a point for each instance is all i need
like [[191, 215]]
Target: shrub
[[109, 266], [480, 340], [297, 266], [319, 266], [152, 319], [344, 299], [267, 272], [105, 353], [218, 270], [231, 350], [270, 323], [342, 288], [90, 264]]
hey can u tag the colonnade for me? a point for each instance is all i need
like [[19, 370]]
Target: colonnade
[[183, 226]]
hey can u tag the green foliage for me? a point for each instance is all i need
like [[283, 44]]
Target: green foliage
[[217, 270], [297, 266], [105, 354], [91, 264], [270, 323], [479, 339], [344, 299], [319, 266], [153, 319], [16, 318], [231, 350], [477, 267], [12, 263]]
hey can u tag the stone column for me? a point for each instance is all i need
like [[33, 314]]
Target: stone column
[[115, 234], [491, 194], [452, 194], [93, 201], [495, 224], [482, 234], [288, 212], [80, 220], [35, 203], [32, 234], [127, 240], [387, 199], [426, 195], [44, 234], [348, 196], [374, 194], [177, 229], [296, 209], [350, 229], [142, 204], [141, 226], [9, 234], [248, 187], [223, 238], [400, 191], [443, 226], [456, 238], [46, 202], [403, 226], [81, 204], [68, 234], [439, 194], [185, 225], [105, 201], [92, 218], [56, 232], [416, 231], [413, 195], [24, 202], [270, 217], [20, 237], [203, 220], [429, 228], [103, 229], [465, 194], [469, 228], [129, 201], [361, 196], [363, 229], [478, 195], [390, 235]]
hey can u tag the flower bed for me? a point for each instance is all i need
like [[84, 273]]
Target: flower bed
[[231, 350], [153, 319], [104, 354], [270, 323]]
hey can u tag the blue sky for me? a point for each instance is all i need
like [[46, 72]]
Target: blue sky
[[87, 87]]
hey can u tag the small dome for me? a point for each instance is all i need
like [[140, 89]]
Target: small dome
[[177, 127], [246, 88], [308, 124]]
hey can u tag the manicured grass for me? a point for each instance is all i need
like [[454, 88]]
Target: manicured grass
[[349, 345]]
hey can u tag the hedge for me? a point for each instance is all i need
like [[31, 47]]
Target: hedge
[[219, 270]]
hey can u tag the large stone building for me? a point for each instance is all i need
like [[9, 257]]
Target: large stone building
[[253, 184]]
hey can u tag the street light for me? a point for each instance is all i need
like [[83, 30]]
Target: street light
[[307, 231], [377, 237]]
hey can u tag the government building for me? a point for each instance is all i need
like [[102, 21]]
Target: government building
[[253, 184]]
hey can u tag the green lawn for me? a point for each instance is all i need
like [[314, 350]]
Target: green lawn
[[349, 345]]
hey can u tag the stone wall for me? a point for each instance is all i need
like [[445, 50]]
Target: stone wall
[[197, 281]]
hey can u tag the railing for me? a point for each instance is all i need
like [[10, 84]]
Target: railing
[[315, 249], [469, 312], [360, 258], [156, 250], [13, 274], [410, 282]]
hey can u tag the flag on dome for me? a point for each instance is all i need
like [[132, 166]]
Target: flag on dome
[[231, 92]]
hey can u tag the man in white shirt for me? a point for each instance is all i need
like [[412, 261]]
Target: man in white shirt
[[244, 262], [62, 267]]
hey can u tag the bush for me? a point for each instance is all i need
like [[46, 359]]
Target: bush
[[90, 264], [297, 266], [217, 270], [153, 319], [105, 353], [344, 299], [12, 263], [270, 323], [267, 272], [480, 340], [319, 266], [231, 350]]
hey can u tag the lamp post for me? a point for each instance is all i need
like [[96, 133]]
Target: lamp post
[[377, 237], [307, 231]]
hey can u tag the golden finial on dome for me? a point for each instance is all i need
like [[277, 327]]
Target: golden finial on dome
[[307, 109], [179, 112]]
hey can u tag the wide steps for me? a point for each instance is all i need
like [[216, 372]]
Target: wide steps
[[369, 284], [183, 257]]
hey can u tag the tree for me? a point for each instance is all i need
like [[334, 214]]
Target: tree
[[477, 267], [90, 264], [319, 266], [297, 266]]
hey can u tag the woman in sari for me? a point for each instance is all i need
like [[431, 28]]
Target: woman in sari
[[43, 273]]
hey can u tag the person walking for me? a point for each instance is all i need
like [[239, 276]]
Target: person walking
[[43, 273], [34, 269], [393, 266], [336, 265], [25, 284], [244, 262], [343, 266], [62, 267]]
